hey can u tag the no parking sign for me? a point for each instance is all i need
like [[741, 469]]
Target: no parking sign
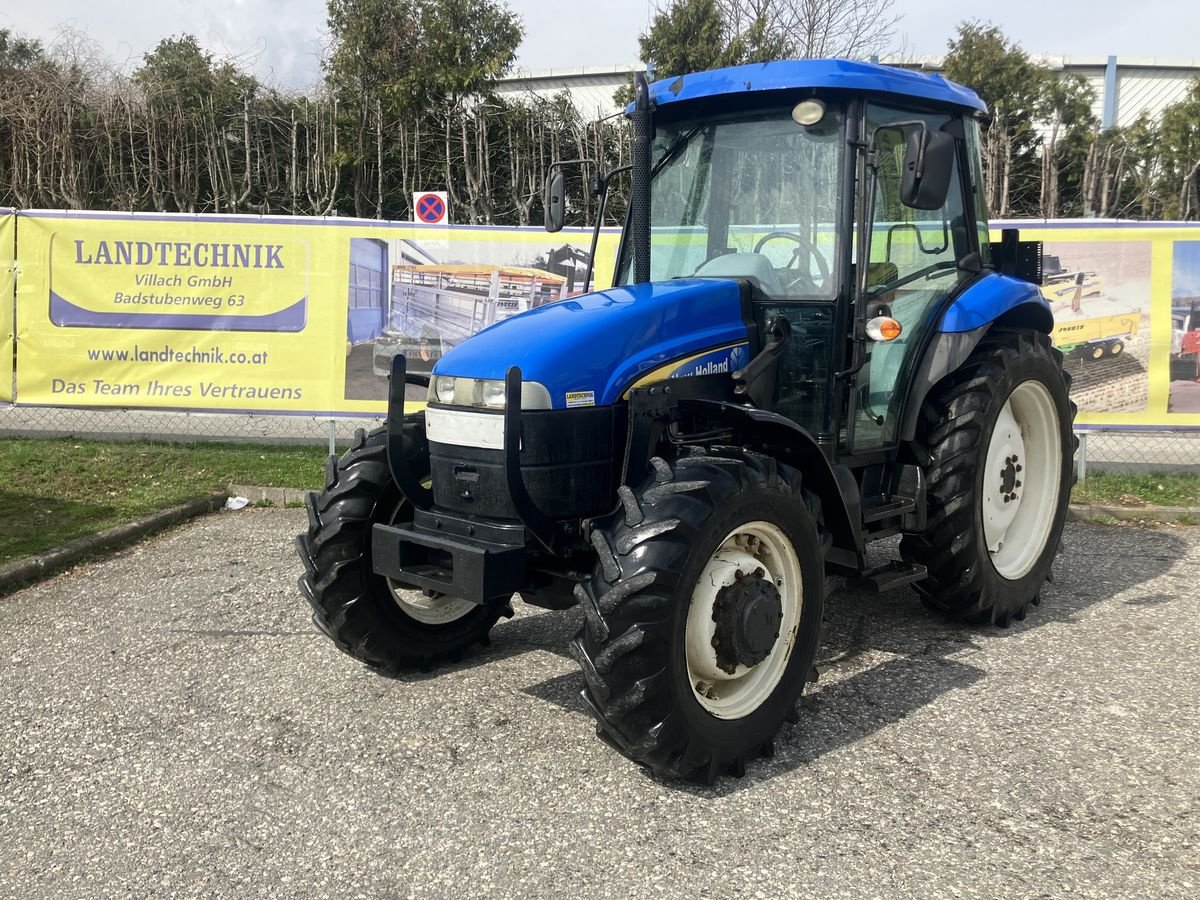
[[430, 207]]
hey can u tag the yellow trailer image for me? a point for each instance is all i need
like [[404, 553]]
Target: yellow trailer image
[[1097, 336]]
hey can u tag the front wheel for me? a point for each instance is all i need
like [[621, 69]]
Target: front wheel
[[999, 434], [385, 625], [703, 613]]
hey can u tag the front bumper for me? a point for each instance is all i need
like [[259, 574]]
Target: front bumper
[[473, 533], [457, 557]]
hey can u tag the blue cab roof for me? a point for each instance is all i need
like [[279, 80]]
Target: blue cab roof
[[834, 74]]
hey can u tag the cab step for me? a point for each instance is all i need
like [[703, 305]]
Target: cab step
[[892, 574], [887, 508]]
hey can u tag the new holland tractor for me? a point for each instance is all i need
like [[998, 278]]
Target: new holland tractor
[[810, 344]]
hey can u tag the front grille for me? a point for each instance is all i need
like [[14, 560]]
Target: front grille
[[568, 465]]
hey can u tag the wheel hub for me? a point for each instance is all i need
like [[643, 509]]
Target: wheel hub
[[747, 614], [743, 619], [1009, 482]]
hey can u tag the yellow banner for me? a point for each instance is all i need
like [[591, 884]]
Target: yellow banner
[[1126, 304], [8, 261], [303, 316], [280, 314]]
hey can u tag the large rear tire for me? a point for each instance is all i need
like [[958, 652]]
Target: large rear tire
[[388, 627], [999, 435], [703, 613]]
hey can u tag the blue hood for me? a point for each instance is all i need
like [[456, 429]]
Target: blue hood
[[603, 342]]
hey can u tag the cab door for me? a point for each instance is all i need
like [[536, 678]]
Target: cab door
[[912, 267]]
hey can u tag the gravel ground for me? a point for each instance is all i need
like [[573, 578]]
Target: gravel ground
[[171, 726]]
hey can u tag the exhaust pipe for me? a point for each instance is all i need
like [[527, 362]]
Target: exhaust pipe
[[639, 208]]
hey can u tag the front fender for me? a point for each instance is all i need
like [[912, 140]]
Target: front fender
[[784, 439]]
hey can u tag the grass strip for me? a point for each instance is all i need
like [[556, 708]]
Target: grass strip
[[1102, 489], [56, 490]]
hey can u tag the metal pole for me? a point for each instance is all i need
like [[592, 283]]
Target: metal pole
[[1083, 438], [332, 437]]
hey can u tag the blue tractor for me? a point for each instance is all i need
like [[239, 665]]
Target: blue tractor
[[811, 344]]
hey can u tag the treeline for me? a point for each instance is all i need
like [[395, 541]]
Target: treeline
[[407, 104], [1045, 155]]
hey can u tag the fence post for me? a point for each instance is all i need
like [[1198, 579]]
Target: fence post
[[332, 437], [1083, 439]]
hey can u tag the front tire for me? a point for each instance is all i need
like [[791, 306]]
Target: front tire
[[703, 613], [999, 435], [388, 627]]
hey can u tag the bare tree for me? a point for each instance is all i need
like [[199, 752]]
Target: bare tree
[[812, 29]]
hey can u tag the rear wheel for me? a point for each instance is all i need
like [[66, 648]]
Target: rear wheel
[[368, 616], [999, 434], [703, 613]]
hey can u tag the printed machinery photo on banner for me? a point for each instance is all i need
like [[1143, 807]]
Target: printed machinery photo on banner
[[1110, 287], [279, 315], [8, 260], [304, 316]]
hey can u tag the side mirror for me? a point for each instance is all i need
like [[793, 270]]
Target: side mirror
[[928, 165], [553, 201]]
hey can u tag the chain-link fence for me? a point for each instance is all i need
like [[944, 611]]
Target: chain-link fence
[[1136, 451], [1101, 450], [178, 426]]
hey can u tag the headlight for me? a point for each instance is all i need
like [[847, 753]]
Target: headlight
[[493, 394], [485, 393], [443, 389]]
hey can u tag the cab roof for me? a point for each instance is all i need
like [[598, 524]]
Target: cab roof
[[830, 74]]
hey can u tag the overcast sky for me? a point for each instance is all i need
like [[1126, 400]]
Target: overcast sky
[[282, 40]]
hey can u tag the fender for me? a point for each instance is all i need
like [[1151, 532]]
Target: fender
[[784, 439], [991, 301]]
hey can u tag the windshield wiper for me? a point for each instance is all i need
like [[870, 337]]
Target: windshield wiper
[[675, 147]]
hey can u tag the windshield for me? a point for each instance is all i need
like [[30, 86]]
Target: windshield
[[753, 196]]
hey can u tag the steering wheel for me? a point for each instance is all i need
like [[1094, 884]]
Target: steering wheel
[[804, 244]]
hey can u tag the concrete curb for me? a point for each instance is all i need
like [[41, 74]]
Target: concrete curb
[[276, 496], [25, 572], [1148, 514]]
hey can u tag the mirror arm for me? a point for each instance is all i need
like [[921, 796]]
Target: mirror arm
[[602, 183], [602, 193]]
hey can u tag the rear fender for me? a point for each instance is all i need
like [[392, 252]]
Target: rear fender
[[1005, 303]]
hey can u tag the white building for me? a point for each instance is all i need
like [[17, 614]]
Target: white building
[[1124, 86]]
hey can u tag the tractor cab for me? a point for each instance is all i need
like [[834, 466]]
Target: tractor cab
[[810, 344], [786, 192]]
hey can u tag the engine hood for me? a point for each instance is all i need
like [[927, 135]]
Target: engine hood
[[600, 344]]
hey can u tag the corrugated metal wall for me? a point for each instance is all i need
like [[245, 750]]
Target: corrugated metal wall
[[1141, 84]]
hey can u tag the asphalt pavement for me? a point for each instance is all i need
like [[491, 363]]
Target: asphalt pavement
[[172, 726]]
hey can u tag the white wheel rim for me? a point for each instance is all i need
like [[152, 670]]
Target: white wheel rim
[[439, 610], [1021, 480], [748, 548]]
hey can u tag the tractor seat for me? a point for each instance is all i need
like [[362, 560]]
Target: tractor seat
[[751, 266]]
